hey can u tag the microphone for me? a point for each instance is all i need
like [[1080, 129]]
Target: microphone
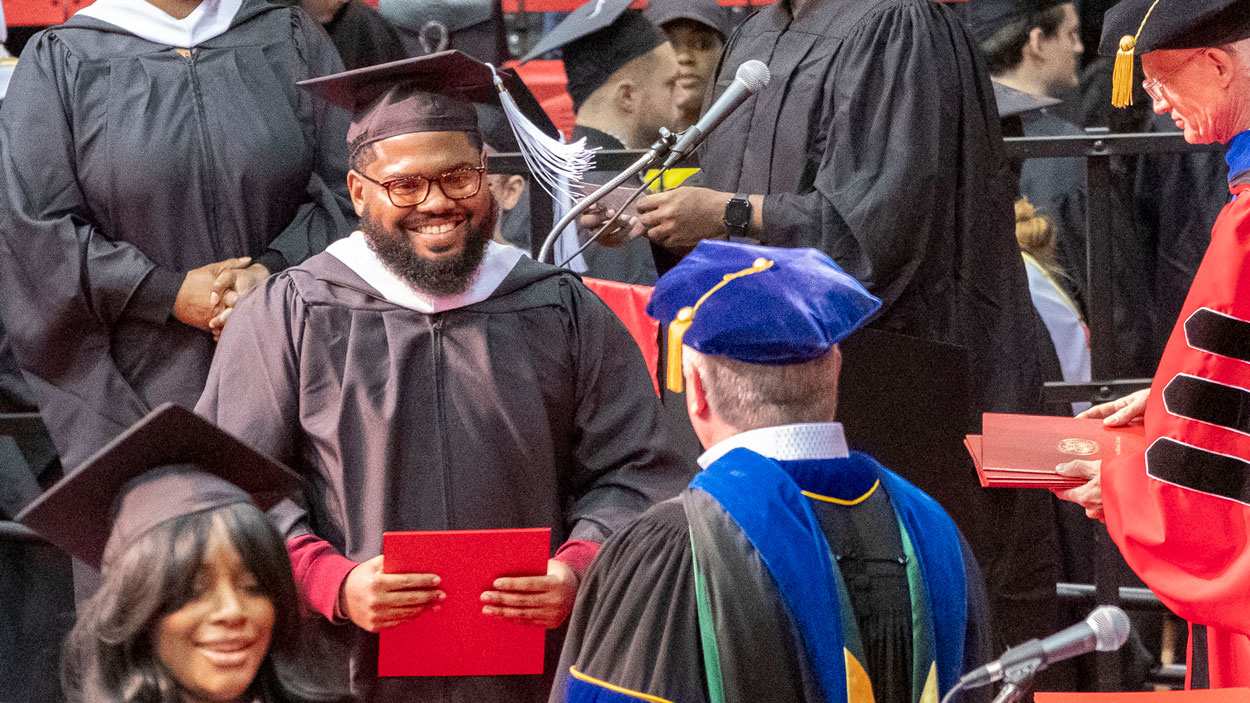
[[1105, 630], [750, 79]]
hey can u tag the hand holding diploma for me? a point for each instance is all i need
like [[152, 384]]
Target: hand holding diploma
[[542, 601], [1088, 496], [375, 600], [1124, 411]]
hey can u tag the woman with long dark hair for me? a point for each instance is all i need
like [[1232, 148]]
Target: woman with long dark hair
[[197, 602]]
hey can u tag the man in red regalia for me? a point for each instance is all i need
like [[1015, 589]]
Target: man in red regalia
[[1180, 511]]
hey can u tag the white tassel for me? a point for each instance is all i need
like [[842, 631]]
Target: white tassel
[[559, 167]]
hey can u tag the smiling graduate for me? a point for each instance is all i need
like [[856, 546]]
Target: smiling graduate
[[423, 377]]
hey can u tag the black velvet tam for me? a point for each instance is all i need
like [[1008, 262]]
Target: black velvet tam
[[1175, 24]]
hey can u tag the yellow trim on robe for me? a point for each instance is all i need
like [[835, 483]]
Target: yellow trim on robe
[[840, 501], [930, 692], [612, 687], [858, 685]]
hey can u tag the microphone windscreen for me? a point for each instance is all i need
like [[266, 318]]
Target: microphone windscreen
[[754, 75], [1110, 625]]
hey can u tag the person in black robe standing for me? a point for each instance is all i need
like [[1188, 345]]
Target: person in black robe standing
[[423, 377], [150, 170], [877, 141]]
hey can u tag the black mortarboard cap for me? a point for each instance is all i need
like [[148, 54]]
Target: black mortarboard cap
[[1141, 26], [706, 12], [1012, 102], [169, 464], [991, 16], [442, 93], [598, 39]]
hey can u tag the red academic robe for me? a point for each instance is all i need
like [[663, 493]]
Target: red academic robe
[[1180, 512]]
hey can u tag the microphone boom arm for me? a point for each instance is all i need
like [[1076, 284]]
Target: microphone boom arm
[[655, 155]]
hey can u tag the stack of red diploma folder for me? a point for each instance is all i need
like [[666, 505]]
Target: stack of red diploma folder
[[1213, 695], [1022, 451], [459, 640]]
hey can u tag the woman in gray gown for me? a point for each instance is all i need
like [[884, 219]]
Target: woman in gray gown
[[156, 160]]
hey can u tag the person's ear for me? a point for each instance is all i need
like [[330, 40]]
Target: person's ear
[[625, 97], [356, 189], [510, 192], [1225, 66], [696, 393], [1033, 47]]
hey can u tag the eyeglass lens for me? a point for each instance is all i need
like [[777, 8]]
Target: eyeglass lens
[[456, 185]]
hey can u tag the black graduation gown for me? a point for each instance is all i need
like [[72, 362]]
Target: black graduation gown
[[532, 408], [877, 141], [648, 639], [123, 165], [632, 262], [363, 37]]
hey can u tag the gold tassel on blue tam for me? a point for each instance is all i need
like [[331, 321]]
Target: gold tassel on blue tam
[[798, 307]]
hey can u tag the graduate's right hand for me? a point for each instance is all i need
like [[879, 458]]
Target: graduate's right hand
[[376, 601], [194, 304], [1124, 411]]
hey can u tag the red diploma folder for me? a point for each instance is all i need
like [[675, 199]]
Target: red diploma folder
[[1214, 695], [459, 640], [1021, 451]]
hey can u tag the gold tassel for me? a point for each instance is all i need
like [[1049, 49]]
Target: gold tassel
[[676, 331], [1122, 74], [685, 317]]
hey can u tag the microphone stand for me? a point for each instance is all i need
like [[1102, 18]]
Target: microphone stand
[[1017, 684], [659, 150]]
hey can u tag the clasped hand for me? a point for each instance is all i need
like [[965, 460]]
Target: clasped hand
[[209, 293], [375, 600]]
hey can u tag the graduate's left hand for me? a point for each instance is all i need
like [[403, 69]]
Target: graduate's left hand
[[1088, 496], [542, 601], [227, 288], [679, 218]]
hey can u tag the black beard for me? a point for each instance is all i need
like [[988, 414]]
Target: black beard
[[440, 277]]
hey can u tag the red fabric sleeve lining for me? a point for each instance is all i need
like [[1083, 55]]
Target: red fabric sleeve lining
[[319, 572], [577, 555]]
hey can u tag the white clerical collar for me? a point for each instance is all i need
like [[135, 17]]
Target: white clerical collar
[[143, 19], [355, 253], [811, 440]]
